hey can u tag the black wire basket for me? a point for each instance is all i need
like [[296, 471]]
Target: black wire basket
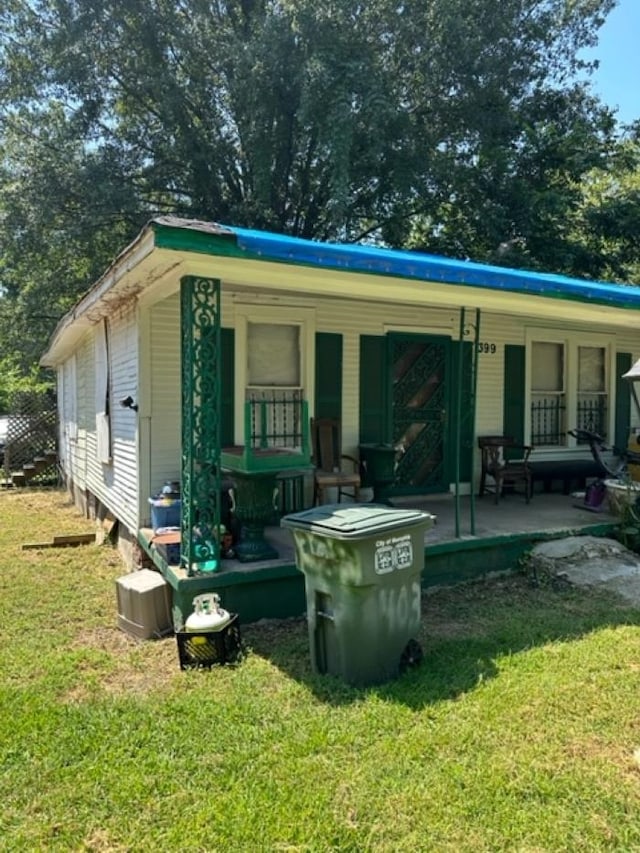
[[204, 649]]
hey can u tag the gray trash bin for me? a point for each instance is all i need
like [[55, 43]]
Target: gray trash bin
[[362, 565]]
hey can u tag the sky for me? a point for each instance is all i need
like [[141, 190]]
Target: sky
[[617, 81]]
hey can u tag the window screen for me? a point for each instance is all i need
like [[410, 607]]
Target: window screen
[[547, 368], [273, 355]]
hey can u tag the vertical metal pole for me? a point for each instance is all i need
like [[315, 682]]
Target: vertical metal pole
[[474, 395], [458, 425], [263, 425]]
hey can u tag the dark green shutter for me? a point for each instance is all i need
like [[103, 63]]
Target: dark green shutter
[[467, 409], [513, 392], [328, 401], [373, 390], [623, 401], [227, 382]]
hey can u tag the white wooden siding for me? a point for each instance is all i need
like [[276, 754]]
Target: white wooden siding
[[86, 419], [502, 330], [116, 484], [64, 392], [351, 319], [166, 393]]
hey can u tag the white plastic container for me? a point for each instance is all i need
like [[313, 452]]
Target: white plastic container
[[621, 495]]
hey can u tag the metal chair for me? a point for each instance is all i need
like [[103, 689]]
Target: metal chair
[[326, 439], [497, 462]]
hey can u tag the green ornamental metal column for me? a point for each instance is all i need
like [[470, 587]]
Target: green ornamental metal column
[[201, 404]]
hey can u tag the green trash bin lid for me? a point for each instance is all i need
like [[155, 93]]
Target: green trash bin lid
[[354, 521]]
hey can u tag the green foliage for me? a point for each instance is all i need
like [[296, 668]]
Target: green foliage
[[607, 217], [448, 126], [17, 389]]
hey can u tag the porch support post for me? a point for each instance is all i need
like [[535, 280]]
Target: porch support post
[[201, 415], [469, 382], [473, 405], [458, 425]]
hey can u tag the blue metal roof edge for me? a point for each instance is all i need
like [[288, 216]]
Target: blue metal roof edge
[[423, 267]]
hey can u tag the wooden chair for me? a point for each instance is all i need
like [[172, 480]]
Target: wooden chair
[[326, 438], [496, 452]]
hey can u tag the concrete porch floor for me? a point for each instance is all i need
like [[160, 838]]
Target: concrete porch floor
[[503, 534], [548, 514]]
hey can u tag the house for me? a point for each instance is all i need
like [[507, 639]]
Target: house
[[198, 330]]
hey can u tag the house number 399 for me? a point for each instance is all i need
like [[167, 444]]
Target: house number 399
[[485, 346]]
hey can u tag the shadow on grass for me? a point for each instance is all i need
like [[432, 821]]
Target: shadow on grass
[[465, 630]]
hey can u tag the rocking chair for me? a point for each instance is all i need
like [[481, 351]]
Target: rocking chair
[[326, 435]]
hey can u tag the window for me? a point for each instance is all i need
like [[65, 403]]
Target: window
[[568, 386], [274, 355], [548, 397], [592, 390], [273, 384]]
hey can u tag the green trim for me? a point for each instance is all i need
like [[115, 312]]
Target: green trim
[[454, 546], [268, 592], [623, 401], [201, 410], [513, 391], [328, 392], [189, 240], [448, 563], [227, 386], [218, 580], [278, 591], [374, 428], [462, 407]]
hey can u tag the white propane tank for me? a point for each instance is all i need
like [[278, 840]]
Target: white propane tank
[[207, 614]]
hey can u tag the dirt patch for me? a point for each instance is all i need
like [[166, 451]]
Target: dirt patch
[[132, 667], [104, 638]]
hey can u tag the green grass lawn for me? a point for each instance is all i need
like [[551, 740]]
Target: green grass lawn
[[519, 731]]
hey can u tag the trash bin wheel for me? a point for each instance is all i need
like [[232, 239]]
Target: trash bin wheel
[[411, 656]]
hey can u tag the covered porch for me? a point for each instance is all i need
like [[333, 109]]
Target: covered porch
[[407, 378], [503, 533]]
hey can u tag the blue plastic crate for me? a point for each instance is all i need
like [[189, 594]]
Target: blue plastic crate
[[165, 513]]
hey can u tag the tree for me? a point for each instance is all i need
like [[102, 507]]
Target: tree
[[607, 219], [65, 209], [447, 124], [515, 203]]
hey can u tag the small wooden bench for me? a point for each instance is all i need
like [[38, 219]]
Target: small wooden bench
[[570, 471]]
